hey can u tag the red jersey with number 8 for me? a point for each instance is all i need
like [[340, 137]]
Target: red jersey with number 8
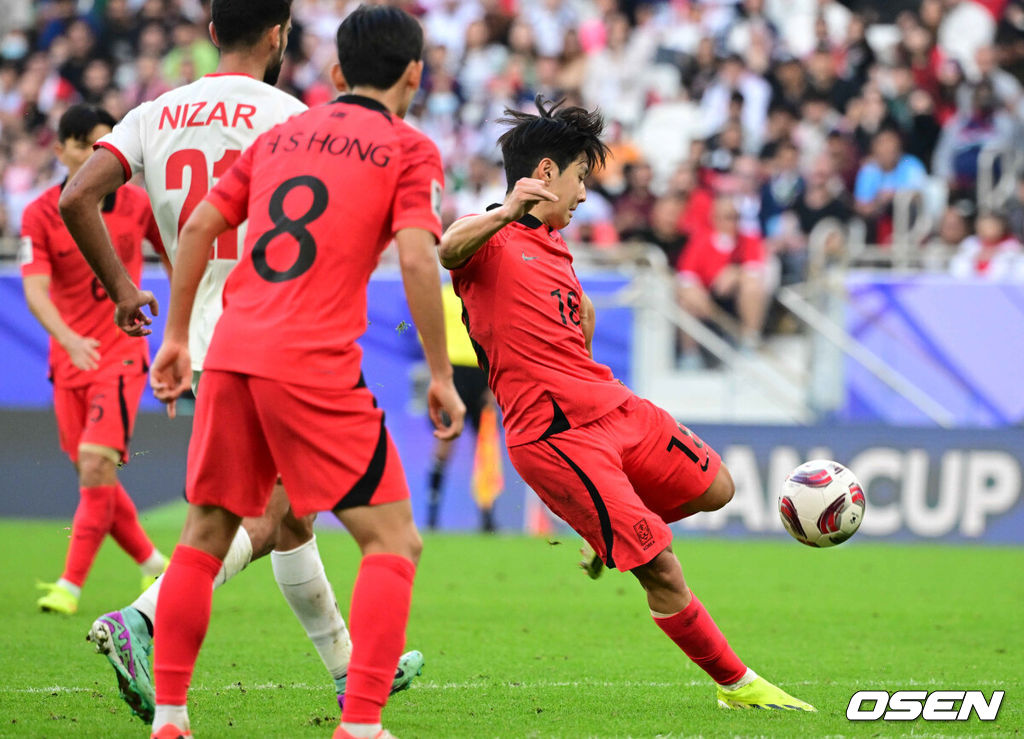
[[324, 193], [521, 300]]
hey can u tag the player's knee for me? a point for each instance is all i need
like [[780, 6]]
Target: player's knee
[[95, 469], [721, 491], [663, 572], [263, 533], [294, 532]]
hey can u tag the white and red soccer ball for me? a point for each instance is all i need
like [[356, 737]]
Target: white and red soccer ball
[[821, 503]]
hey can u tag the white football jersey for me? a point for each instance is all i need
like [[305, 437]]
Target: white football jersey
[[183, 142]]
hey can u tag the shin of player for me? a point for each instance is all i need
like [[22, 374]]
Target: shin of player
[[614, 466], [98, 374], [304, 410]]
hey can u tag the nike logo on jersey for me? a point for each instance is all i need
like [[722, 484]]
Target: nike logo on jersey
[[528, 259]]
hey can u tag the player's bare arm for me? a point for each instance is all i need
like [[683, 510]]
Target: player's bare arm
[[80, 209], [416, 254], [172, 367], [464, 237], [588, 319], [83, 350]]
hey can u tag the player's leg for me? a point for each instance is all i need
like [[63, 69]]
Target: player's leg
[[334, 453], [113, 428], [97, 491], [221, 488], [676, 474], [300, 575], [125, 636], [435, 481], [381, 597], [183, 611], [685, 620]]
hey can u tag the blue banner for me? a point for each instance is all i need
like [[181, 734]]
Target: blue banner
[[920, 483]]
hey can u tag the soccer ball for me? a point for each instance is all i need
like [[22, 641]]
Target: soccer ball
[[821, 503]]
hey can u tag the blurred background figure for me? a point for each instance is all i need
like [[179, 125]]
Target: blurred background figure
[[482, 414]]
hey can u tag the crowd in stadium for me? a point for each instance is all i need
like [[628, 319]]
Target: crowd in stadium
[[736, 127]]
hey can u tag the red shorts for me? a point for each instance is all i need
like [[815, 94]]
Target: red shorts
[[330, 447], [619, 480], [101, 413]]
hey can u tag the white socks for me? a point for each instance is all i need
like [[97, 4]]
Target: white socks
[[238, 556], [362, 731], [154, 564], [69, 586], [177, 715], [300, 575], [748, 677]]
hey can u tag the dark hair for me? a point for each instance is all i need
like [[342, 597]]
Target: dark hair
[[559, 136], [243, 22], [376, 44], [79, 120]]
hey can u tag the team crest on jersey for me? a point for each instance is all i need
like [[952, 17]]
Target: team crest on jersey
[[436, 192]]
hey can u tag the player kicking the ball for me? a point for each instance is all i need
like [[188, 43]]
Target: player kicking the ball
[[324, 193], [612, 465], [183, 142]]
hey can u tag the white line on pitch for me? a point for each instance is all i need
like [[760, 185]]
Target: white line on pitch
[[481, 684]]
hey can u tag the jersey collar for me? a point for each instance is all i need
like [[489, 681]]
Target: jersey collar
[[365, 102], [529, 221]]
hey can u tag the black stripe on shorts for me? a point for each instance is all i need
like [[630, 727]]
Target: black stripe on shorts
[[599, 506], [367, 485], [124, 411]]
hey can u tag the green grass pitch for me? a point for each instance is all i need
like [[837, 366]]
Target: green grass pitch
[[519, 643]]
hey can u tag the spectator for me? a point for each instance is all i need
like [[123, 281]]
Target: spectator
[[992, 252], [148, 83], [722, 267], [633, 207], [783, 187], [887, 173], [192, 57], [733, 77], [966, 135], [1015, 209], [662, 229]]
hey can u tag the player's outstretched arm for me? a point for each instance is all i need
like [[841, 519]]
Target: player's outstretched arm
[[80, 208], [418, 260], [464, 237], [172, 368], [588, 320], [83, 350]]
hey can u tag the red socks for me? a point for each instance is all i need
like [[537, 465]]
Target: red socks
[[380, 610], [126, 529], [92, 521], [182, 617], [694, 631]]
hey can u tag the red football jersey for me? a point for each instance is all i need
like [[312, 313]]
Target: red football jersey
[[521, 301], [709, 252], [324, 193], [48, 249]]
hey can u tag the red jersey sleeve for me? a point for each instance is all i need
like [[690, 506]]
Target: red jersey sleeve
[[34, 251], [419, 189], [231, 193], [491, 248]]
